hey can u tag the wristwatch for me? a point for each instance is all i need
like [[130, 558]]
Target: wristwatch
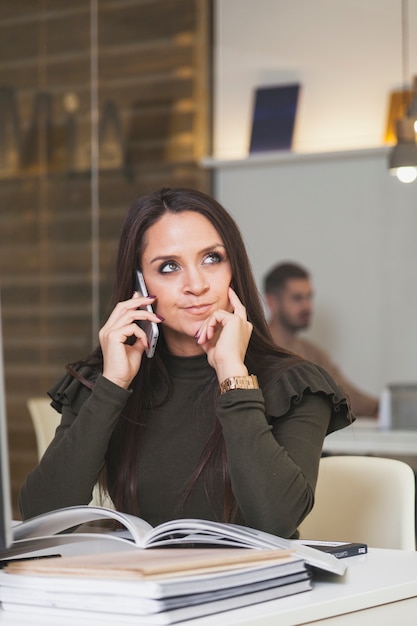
[[239, 382]]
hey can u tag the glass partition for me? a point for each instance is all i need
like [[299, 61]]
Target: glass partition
[[100, 101]]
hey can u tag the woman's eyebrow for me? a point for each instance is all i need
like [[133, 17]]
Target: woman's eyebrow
[[167, 257], [176, 256]]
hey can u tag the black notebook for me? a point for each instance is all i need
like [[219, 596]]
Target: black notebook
[[274, 118], [340, 550]]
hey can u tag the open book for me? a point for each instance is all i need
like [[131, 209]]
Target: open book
[[48, 534]]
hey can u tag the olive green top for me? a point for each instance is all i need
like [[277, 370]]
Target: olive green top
[[273, 438]]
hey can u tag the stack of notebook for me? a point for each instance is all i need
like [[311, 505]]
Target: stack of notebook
[[158, 586]]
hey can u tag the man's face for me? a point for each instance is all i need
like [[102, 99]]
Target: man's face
[[293, 305]]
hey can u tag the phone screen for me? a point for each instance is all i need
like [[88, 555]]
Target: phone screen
[[150, 328]]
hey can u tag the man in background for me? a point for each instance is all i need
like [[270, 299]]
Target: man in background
[[289, 296]]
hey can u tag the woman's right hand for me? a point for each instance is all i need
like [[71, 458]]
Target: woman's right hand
[[121, 361]]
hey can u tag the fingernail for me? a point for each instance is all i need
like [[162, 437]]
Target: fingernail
[[152, 297], [160, 317]]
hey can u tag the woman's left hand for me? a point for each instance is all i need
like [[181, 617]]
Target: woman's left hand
[[224, 336]]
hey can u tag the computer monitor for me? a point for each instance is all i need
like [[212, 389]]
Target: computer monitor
[[5, 501]]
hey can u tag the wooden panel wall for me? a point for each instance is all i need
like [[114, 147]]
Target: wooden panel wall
[[150, 114]]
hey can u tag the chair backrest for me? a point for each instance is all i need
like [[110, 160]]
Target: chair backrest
[[45, 421], [363, 499]]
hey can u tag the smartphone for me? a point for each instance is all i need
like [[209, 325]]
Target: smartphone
[[150, 328]]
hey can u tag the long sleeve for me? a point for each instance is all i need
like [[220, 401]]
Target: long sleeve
[[273, 438], [273, 468], [69, 469]]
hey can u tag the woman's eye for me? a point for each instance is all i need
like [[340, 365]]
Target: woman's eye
[[168, 267], [213, 257]]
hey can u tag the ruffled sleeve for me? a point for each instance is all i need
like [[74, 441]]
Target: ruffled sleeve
[[289, 387], [73, 390]]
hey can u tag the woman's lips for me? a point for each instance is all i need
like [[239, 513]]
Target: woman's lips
[[198, 309]]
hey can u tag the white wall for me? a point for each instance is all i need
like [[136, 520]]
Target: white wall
[[355, 228], [347, 55], [341, 214]]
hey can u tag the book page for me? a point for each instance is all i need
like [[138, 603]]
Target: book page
[[63, 520], [196, 531]]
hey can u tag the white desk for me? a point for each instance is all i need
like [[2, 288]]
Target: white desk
[[378, 588], [365, 437]]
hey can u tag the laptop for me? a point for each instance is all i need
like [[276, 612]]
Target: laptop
[[398, 407], [5, 499]]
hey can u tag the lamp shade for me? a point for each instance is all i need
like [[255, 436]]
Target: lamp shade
[[404, 154], [403, 157]]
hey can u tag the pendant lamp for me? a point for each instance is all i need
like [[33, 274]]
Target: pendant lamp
[[403, 157]]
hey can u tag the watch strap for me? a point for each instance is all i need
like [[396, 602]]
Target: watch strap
[[239, 382]]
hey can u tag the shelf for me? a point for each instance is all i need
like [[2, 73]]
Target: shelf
[[284, 157]]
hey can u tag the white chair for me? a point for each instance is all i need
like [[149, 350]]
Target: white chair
[[45, 421], [363, 499]]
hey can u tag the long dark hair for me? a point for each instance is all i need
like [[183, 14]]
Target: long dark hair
[[143, 213]]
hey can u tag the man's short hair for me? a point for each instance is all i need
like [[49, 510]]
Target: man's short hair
[[276, 278]]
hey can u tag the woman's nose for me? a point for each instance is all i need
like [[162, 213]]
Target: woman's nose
[[196, 282]]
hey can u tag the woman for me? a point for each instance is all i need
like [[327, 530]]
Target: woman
[[189, 432]]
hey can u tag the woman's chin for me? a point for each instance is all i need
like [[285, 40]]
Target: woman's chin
[[182, 344]]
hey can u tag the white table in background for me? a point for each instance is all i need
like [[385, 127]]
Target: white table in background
[[365, 437]]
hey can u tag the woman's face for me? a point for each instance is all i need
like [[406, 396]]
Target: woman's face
[[184, 265]]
